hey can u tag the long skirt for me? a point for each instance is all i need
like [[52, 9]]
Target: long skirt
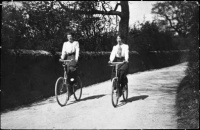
[[122, 71]]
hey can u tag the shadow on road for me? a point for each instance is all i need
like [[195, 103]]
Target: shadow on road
[[87, 98], [135, 98], [92, 97]]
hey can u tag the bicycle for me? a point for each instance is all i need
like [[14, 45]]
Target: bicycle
[[62, 86], [116, 89]]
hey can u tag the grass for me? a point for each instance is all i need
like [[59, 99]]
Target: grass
[[187, 104]]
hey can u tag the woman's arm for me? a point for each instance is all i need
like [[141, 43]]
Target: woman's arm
[[77, 51], [63, 51], [127, 53], [112, 55]]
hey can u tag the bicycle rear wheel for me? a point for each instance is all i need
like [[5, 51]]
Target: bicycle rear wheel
[[61, 92], [77, 89], [115, 92], [125, 92]]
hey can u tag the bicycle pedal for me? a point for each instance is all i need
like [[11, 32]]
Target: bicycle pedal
[[72, 79], [115, 91]]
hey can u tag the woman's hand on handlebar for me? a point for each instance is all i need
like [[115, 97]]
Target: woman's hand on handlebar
[[76, 60], [61, 59]]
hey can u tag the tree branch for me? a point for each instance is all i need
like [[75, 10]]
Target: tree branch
[[112, 12], [116, 6], [175, 28], [104, 6]]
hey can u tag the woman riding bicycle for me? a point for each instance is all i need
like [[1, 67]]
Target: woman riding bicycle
[[120, 53], [70, 51]]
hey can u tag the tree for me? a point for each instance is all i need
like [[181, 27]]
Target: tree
[[46, 24], [176, 15], [13, 27], [41, 25], [91, 8]]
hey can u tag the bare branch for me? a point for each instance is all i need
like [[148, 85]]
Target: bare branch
[[90, 12], [170, 22], [52, 4], [104, 6], [116, 6]]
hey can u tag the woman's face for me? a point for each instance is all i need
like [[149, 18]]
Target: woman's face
[[119, 39], [69, 37]]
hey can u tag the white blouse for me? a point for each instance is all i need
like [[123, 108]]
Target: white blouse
[[69, 48], [124, 52]]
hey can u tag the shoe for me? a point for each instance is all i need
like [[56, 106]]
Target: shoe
[[124, 88]]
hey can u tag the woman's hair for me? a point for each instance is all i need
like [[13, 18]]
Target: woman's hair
[[69, 33], [121, 36]]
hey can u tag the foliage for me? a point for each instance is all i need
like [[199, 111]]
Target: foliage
[[41, 25], [187, 104], [187, 100], [149, 38], [176, 15], [14, 27], [193, 67]]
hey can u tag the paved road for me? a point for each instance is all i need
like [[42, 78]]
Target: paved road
[[151, 104]]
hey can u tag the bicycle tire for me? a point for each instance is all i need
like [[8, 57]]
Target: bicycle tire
[[61, 92], [77, 89], [125, 92], [115, 95]]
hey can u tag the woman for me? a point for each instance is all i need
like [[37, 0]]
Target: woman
[[70, 51], [120, 53]]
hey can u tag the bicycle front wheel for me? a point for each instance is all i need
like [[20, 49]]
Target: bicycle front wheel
[[115, 92], [61, 92], [77, 89]]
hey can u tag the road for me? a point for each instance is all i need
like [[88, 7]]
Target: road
[[150, 105]]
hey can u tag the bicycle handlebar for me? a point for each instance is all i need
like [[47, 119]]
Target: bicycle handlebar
[[115, 63], [61, 60], [65, 61]]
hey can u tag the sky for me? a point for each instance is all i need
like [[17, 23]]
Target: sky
[[139, 9]]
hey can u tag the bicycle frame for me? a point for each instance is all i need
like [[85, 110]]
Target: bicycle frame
[[116, 64], [115, 84], [65, 75], [66, 62], [116, 67]]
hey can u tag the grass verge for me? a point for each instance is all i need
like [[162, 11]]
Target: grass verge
[[187, 104]]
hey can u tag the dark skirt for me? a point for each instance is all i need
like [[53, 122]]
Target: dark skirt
[[73, 66], [122, 71]]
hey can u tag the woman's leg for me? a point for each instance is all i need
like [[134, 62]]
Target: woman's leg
[[73, 70], [113, 73], [123, 71], [122, 77]]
